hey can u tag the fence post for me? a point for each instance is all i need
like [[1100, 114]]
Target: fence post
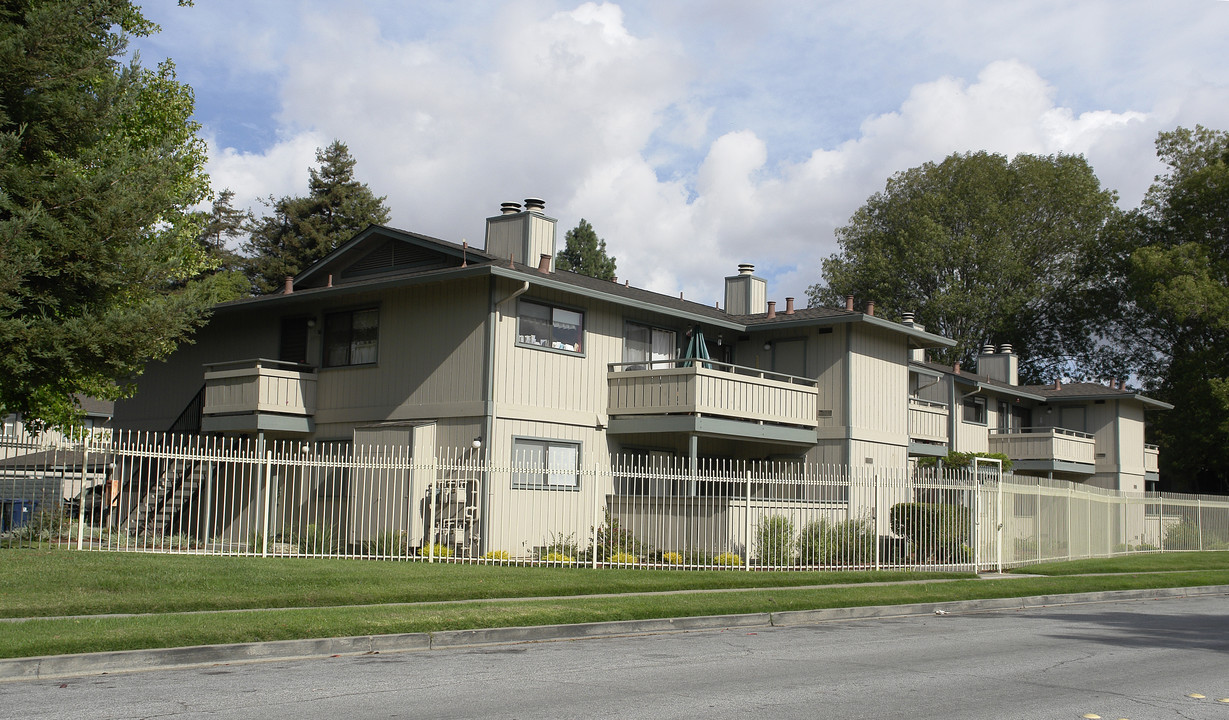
[[1160, 522], [976, 520], [85, 464], [597, 521], [1070, 500], [431, 517], [747, 525], [1037, 514], [875, 520], [268, 492], [1199, 520]]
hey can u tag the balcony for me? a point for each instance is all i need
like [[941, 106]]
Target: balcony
[[927, 427], [710, 397], [1047, 448], [1152, 462], [257, 396]]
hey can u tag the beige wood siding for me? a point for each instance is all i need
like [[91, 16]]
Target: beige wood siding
[[829, 366], [880, 378], [431, 346], [550, 384]]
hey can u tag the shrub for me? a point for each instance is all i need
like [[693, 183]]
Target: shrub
[[846, 542], [1182, 536], [435, 550], [317, 540], [774, 540], [623, 559], [672, 558], [560, 544], [614, 540], [728, 559], [558, 557], [389, 544], [935, 532], [496, 555], [963, 460]]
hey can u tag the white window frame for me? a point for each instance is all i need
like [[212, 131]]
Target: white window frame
[[655, 360], [558, 466]]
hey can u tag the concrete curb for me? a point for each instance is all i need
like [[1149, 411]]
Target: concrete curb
[[62, 666]]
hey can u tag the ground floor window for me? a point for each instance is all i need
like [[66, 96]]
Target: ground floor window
[[545, 464]]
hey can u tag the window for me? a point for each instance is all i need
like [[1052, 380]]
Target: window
[[549, 327], [975, 410], [351, 337], [646, 345], [545, 464]]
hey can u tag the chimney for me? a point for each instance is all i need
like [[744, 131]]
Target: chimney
[[544, 263], [1122, 384], [521, 236], [464, 253], [746, 294], [870, 308], [772, 309], [849, 303], [789, 306], [956, 367], [1003, 366], [289, 285], [330, 280], [1058, 384], [906, 318], [916, 354]]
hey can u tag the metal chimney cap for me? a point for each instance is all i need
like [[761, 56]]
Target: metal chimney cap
[[1005, 349], [535, 204], [987, 349], [745, 268], [509, 208]]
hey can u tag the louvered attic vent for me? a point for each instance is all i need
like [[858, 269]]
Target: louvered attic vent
[[394, 255]]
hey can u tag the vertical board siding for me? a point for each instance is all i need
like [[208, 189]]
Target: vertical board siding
[[880, 373]]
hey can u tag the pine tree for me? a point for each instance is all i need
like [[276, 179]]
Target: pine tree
[[100, 165], [222, 225], [585, 253], [302, 230]]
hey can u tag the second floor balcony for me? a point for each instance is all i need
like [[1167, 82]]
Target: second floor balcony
[[258, 395], [784, 407], [1047, 448], [1152, 461], [927, 426]]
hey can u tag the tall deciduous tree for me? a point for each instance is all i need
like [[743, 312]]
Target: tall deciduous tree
[[1170, 314], [982, 249], [301, 230], [99, 167], [585, 253]]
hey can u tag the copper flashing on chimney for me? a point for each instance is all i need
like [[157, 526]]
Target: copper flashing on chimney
[[870, 308], [544, 263], [789, 306], [289, 285], [772, 309], [849, 303]]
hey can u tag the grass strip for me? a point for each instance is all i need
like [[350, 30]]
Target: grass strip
[[1153, 562], [60, 636], [47, 583]]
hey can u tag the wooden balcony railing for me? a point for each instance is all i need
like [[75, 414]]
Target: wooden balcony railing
[[927, 421], [1152, 458], [708, 387], [1045, 443], [259, 386]]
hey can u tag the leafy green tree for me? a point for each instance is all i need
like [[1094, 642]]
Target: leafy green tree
[[100, 165], [302, 230], [982, 249], [1167, 306], [585, 253], [221, 226]]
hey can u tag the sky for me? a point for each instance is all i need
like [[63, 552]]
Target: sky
[[694, 136]]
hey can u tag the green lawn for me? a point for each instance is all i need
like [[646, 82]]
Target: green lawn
[[1154, 562], [330, 598]]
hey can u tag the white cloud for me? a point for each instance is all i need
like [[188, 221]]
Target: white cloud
[[660, 139]]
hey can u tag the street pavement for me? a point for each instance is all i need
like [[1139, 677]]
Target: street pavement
[[1157, 658]]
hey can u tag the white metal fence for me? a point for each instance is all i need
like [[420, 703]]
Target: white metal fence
[[188, 494]]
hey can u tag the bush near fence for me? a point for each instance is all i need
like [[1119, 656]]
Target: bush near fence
[[934, 532]]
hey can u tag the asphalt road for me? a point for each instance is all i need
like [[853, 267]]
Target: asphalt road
[[1136, 660]]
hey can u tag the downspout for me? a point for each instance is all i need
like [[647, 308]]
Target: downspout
[[488, 398]]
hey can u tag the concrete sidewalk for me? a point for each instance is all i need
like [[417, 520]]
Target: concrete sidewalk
[[60, 666]]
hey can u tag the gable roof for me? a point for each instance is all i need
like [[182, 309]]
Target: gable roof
[[381, 256], [981, 382], [1083, 391]]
